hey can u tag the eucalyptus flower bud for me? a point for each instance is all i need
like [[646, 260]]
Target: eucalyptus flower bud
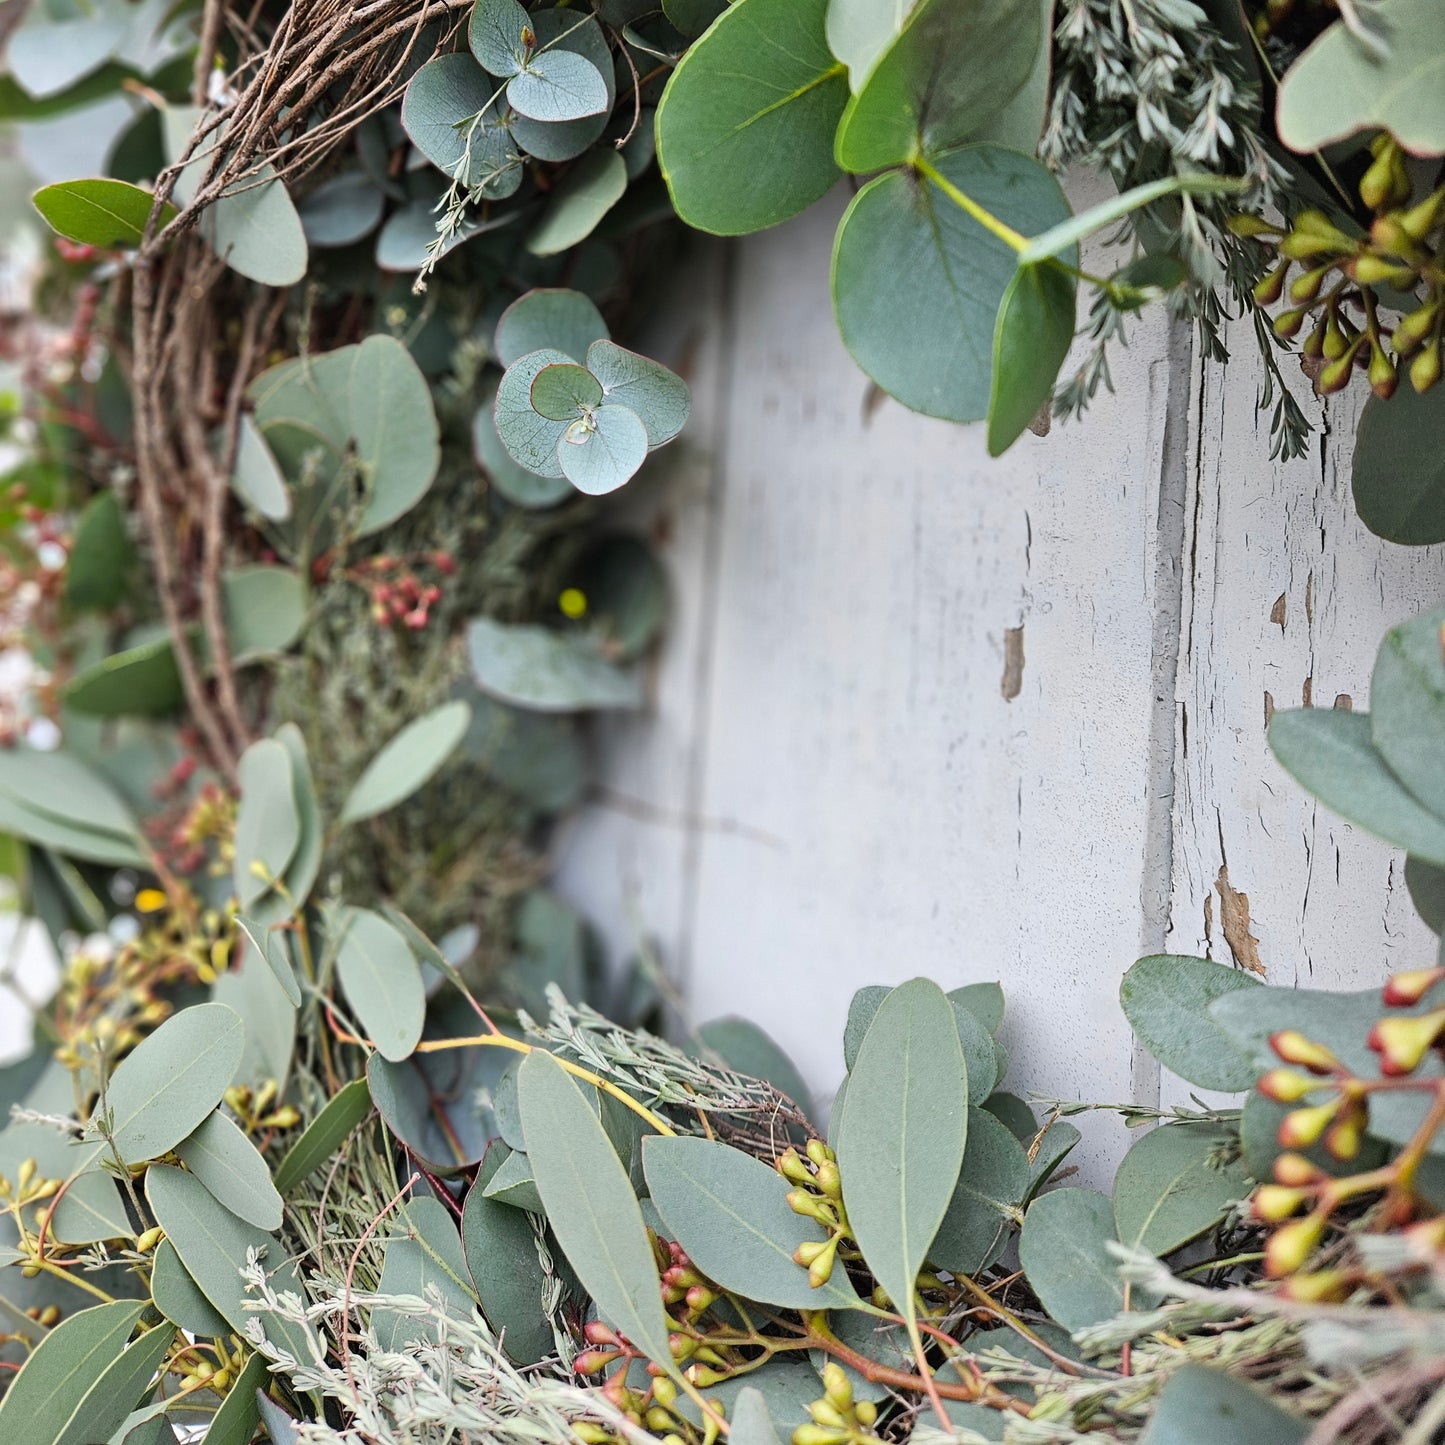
[[1425, 369], [1292, 1244], [1294, 1048], [1302, 1127], [1404, 989]]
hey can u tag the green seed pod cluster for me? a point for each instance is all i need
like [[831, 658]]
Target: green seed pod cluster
[[819, 1196], [1337, 293], [838, 1419]]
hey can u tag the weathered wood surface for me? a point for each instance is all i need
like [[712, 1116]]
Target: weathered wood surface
[[922, 712]]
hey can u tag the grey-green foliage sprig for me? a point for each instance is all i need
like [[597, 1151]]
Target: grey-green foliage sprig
[[1155, 89]]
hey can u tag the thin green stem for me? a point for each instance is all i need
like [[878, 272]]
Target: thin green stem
[[966, 203]]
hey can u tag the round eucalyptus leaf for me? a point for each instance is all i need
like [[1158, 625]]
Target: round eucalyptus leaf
[[562, 392], [550, 318], [398, 444], [564, 140], [1167, 1190], [692, 17], [530, 440], [950, 70], [1407, 706], [452, 119], [1032, 335], [584, 196], [991, 1188], [495, 34], [658, 396], [917, 282], [257, 479], [745, 126], [341, 211], [1207, 1406], [532, 667], [405, 241], [1065, 1255], [264, 608], [1399, 467], [558, 85], [602, 452], [522, 488]]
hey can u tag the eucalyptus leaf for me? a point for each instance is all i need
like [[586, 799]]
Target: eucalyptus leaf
[[257, 480], [268, 827], [178, 1297], [950, 69], [1200, 1405], [101, 555], [1167, 1191], [1332, 755], [563, 392], [114, 1391], [730, 1213], [265, 610], [402, 1097], [745, 126], [980, 1053], [901, 1141], [235, 1422], [603, 451], [1399, 466], [549, 319], [228, 1164], [917, 282], [1407, 707], [1166, 999], [533, 667], [743, 1045], [514, 1185], [496, 33], [449, 113], [254, 993], [166, 1086], [531, 440], [993, 1183], [1338, 87], [1032, 335], [48, 53], [558, 85], [379, 974], [139, 681], [53, 788], [423, 1255], [324, 1135], [270, 944], [1427, 892], [581, 200], [500, 1245], [342, 211], [1064, 1253], [591, 1206], [410, 760], [860, 31], [565, 29], [1056, 1142], [511, 480], [104, 213], [212, 1244], [660, 398]]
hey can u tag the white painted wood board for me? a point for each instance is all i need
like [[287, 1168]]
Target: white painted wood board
[[831, 788]]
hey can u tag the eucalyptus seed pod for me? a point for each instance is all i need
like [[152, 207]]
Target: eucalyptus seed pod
[[1287, 324], [1245, 224], [824, 1412], [837, 1387], [1335, 375], [1307, 286], [1337, 340], [1383, 375], [1370, 269], [1422, 218], [1270, 287], [1425, 369], [1413, 329], [1386, 183]]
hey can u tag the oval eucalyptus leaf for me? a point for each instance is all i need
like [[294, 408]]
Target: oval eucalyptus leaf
[[114, 1391], [660, 398], [280, 1426], [235, 1422], [257, 479], [268, 827], [104, 213], [1166, 1191], [1064, 1253], [563, 392], [1399, 466], [342, 211], [270, 1018], [1057, 1141], [1407, 707], [533, 667], [255, 229], [161, 1091], [53, 48], [745, 126], [860, 31], [1032, 335], [514, 1185], [603, 451], [140, 681], [730, 1213], [992, 1184], [751, 1424], [53, 1382], [496, 35], [531, 440], [54, 800], [565, 29], [265, 610], [984, 1001], [1340, 87], [901, 1141], [449, 113], [1331, 754], [980, 1053], [514, 482], [227, 1163], [1203, 1406], [306, 864], [212, 1244], [1166, 999], [404, 1102], [423, 1257], [410, 760], [399, 444], [951, 69], [379, 974], [743, 1046], [500, 1244], [548, 319], [324, 1135], [270, 944], [581, 200], [558, 85], [591, 1206], [101, 556], [1015, 1115], [917, 283], [178, 1297], [1427, 892]]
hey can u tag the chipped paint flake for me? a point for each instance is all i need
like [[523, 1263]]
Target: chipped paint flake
[[1234, 915]]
